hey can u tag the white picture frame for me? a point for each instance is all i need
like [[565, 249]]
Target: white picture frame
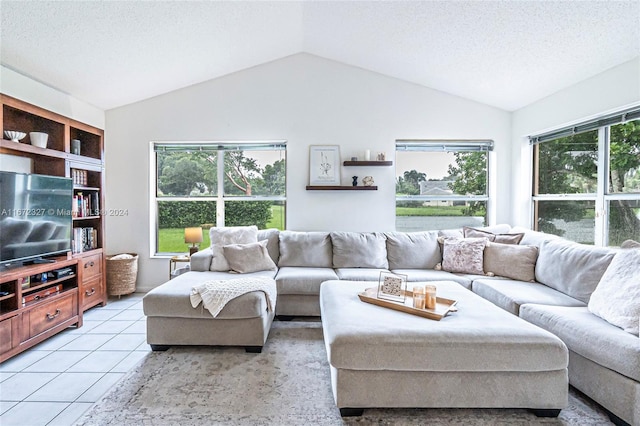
[[392, 286], [324, 165]]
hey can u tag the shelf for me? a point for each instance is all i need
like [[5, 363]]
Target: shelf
[[47, 283], [85, 218], [342, 188], [45, 152], [367, 163]]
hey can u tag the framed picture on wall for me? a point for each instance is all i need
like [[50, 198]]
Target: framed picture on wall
[[324, 165]]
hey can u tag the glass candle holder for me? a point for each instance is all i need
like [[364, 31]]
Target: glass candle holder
[[418, 297], [430, 297]]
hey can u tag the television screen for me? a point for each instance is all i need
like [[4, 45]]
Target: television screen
[[35, 216]]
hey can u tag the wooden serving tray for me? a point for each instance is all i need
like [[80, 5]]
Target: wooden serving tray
[[443, 305]]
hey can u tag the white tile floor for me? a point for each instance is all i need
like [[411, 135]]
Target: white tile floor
[[55, 382]]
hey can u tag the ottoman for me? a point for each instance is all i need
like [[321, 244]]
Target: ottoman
[[478, 357], [171, 320]]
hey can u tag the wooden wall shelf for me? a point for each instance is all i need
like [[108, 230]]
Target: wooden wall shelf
[[367, 163], [341, 188]]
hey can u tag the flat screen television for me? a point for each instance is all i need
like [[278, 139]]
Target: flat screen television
[[35, 217]]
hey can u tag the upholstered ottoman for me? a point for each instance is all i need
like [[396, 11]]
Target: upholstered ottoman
[[478, 357], [171, 320]]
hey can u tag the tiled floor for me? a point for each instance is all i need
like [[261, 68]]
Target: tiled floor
[[55, 382]]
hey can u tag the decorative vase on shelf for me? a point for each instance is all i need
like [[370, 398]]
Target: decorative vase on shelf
[[355, 181]]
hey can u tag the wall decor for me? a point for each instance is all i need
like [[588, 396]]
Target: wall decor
[[392, 286], [324, 165], [367, 181]]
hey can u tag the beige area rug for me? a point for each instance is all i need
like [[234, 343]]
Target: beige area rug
[[287, 384]]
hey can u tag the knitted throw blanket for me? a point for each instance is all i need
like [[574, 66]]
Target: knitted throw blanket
[[215, 294]]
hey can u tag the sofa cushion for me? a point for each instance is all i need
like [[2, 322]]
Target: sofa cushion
[[413, 250], [435, 275], [311, 249], [171, 299], [616, 299], [510, 295], [245, 258], [360, 274], [272, 236], [533, 238], [221, 237], [359, 250], [511, 261], [463, 255], [589, 336], [469, 232], [627, 244], [302, 280], [574, 269]]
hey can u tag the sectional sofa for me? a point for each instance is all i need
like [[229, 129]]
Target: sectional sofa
[[544, 279]]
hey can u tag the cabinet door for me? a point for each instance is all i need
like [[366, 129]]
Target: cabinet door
[[8, 339]]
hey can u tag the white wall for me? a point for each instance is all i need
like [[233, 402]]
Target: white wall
[[305, 100], [610, 91]]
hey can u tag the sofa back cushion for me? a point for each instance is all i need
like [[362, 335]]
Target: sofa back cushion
[[308, 249], [533, 238], [221, 237], [273, 242], [359, 250], [574, 269], [413, 250]]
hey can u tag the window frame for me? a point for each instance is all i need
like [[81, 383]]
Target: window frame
[[220, 198], [453, 146]]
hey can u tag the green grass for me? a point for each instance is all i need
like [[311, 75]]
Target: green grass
[[171, 240], [433, 211]]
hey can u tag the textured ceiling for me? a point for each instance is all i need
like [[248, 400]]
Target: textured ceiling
[[504, 53]]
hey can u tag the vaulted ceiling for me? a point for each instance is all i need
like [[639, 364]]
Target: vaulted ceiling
[[503, 53]]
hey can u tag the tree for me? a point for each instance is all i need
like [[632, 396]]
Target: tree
[[274, 178], [409, 183], [469, 177]]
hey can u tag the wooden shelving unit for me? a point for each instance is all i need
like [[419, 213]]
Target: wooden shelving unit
[[367, 163], [341, 188], [87, 286]]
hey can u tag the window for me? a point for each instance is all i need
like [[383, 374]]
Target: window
[[441, 184], [586, 184], [215, 184]]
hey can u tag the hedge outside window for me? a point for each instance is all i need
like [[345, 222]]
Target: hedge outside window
[[441, 184], [215, 184]]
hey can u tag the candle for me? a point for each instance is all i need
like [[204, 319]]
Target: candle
[[418, 297], [367, 155], [430, 297]]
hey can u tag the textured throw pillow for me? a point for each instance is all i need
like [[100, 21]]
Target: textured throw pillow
[[616, 299], [627, 244], [245, 258], [469, 232], [511, 261], [464, 256], [221, 237]]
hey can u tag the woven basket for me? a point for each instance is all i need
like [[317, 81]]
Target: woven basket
[[121, 275]]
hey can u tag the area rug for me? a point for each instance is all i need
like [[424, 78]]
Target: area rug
[[287, 384]]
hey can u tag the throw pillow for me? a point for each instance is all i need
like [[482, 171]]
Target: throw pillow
[[245, 258], [511, 261], [221, 237], [463, 255], [469, 232], [616, 298], [627, 244]]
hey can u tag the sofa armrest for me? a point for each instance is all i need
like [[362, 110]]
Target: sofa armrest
[[201, 260]]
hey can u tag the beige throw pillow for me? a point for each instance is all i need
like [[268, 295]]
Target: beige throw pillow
[[221, 237], [245, 258], [616, 298], [511, 261], [463, 255]]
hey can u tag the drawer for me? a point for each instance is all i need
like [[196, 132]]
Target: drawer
[[90, 266], [91, 292], [52, 313]]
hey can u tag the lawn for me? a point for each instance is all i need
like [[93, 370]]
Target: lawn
[[171, 240], [433, 211]]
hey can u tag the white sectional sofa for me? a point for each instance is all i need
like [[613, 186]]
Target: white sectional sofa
[[604, 360]]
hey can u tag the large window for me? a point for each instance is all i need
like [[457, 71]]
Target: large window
[[441, 184], [586, 184], [215, 184]]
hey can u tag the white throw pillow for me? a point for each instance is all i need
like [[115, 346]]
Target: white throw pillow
[[616, 299], [463, 255], [221, 237]]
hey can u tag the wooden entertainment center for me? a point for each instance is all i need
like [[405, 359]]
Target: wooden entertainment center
[[40, 300]]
